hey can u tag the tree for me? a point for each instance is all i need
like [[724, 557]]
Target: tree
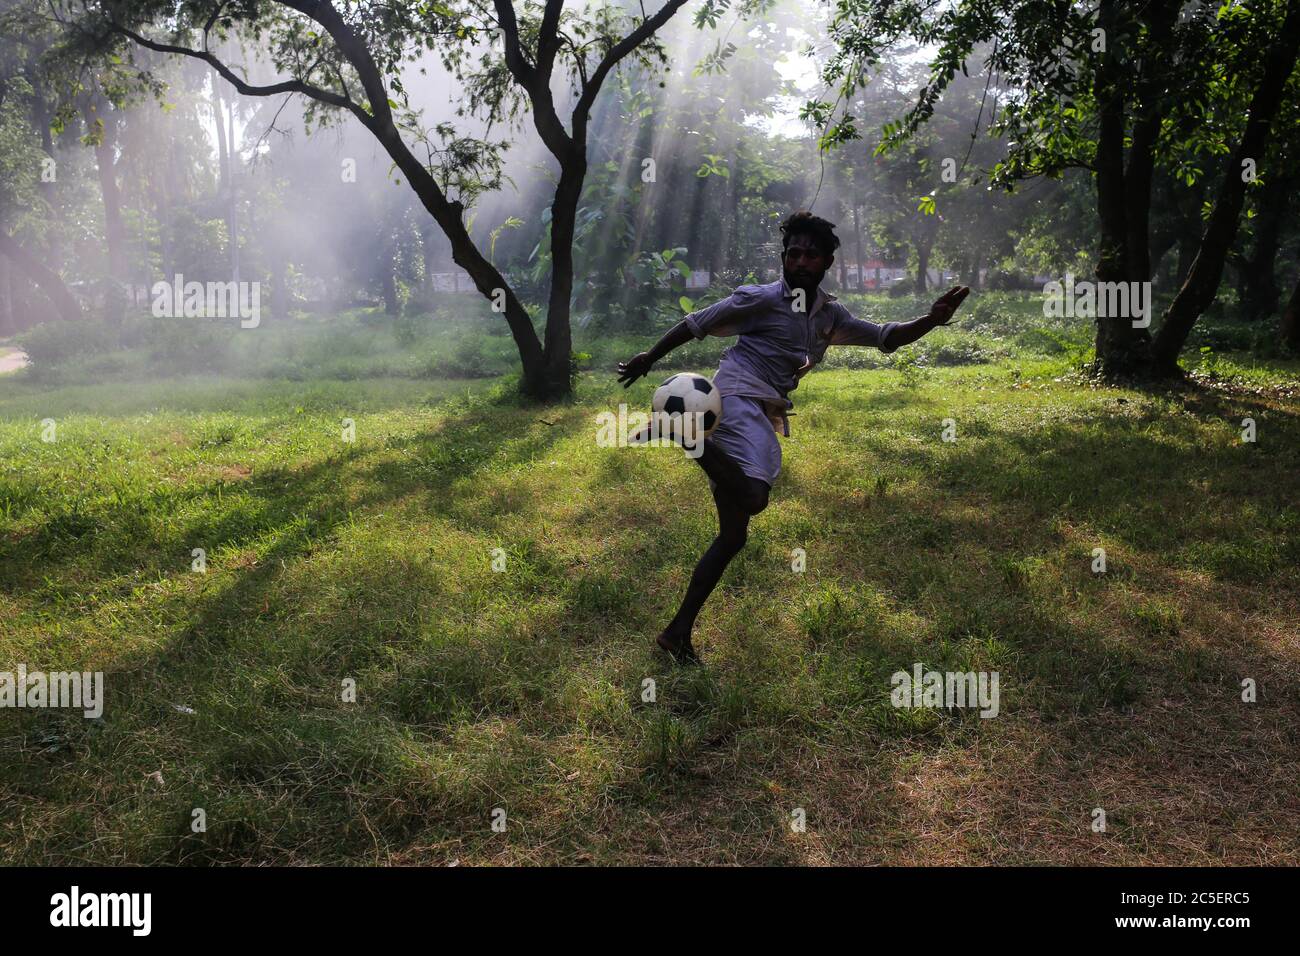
[[1099, 88], [348, 57], [1202, 281], [24, 152]]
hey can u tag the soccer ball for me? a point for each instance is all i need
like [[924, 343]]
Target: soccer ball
[[687, 394]]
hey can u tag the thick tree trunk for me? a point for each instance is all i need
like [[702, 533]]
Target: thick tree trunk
[[1203, 281], [1139, 175], [50, 284], [558, 349], [1120, 348]]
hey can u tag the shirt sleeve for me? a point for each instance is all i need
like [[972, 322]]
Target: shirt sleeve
[[733, 315], [852, 331]]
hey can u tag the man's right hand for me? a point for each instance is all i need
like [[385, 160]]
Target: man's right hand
[[634, 368]]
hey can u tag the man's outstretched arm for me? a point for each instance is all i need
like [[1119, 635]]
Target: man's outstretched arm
[[905, 333], [640, 364], [730, 316]]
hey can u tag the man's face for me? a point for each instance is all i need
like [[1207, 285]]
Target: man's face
[[804, 263]]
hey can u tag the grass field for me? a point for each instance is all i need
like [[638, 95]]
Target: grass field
[[372, 561]]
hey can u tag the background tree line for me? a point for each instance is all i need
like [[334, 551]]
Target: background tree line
[[585, 172]]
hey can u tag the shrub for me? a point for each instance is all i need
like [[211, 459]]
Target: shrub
[[52, 343]]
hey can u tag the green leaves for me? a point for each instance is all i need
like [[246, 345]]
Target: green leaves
[[715, 62], [713, 165]]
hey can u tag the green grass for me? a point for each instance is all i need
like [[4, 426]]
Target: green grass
[[372, 561]]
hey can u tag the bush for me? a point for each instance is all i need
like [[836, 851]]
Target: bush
[[191, 345], [53, 343], [468, 360]]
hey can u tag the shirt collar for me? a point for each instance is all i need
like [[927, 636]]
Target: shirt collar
[[821, 296]]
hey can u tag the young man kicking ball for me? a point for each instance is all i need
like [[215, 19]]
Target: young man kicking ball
[[784, 329]]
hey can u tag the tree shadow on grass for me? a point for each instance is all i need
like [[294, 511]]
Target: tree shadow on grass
[[976, 560], [232, 655], [453, 722]]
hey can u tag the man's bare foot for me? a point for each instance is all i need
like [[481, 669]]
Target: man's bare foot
[[679, 646]]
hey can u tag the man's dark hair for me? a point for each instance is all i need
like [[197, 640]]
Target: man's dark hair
[[806, 224]]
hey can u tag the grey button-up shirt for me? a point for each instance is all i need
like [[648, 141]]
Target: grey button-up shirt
[[777, 346]]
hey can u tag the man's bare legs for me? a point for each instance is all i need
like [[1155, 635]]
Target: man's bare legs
[[738, 497]]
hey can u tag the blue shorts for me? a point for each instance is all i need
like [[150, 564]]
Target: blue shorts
[[746, 435]]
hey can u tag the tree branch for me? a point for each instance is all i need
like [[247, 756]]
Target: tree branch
[[516, 61], [356, 53], [248, 89], [534, 81], [619, 50], [548, 39]]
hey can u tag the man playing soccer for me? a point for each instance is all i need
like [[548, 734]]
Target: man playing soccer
[[784, 328]]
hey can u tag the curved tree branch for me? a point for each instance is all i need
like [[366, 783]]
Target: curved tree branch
[[582, 111], [238, 82]]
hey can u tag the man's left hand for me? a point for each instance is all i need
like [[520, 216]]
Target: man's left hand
[[942, 311]]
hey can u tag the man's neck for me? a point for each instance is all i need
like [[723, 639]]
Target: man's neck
[[810, 291]]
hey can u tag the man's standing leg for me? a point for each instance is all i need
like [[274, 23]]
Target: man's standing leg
[[737, 499]]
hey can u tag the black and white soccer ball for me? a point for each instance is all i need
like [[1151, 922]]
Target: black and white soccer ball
[[687, 394]]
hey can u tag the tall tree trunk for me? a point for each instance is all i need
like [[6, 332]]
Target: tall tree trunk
[[226, 155], [922, 266], [1187, 248], [8, 324], [388, 267], [162, 210], [1158, 16], [426, 258], [1120, 348], [280, 303], [558, 341], [1258, 283], [1203, 281], [731, 220], [486, 277], [102, 120], [49, 282], [857, 244], [43, 114]]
